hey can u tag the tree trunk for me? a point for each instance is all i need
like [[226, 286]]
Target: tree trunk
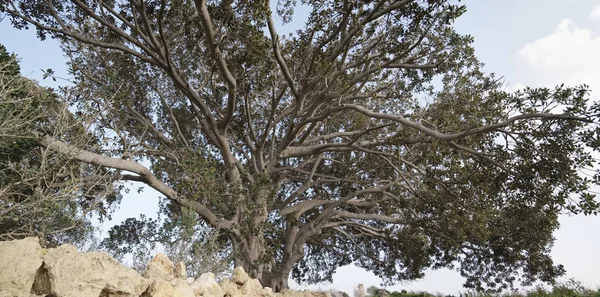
[[278, 277], [259, 264], [277, 280], [252, 252]]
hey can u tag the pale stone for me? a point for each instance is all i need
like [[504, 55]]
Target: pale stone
[[160, 267], [182, 287], [67, 272], [207, 286], [180, 271], [287, 293], [19, 262], [162, 288], [229, 288], [27, 270], [239, 276], [252, 287]]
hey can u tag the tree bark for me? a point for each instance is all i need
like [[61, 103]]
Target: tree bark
[[250, 248], [250, 253]]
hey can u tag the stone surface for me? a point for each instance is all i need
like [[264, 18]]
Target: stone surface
[[162, 288], [252, 287], [229, 288], [19, 262], [180, 271], [66, 272], [27, 270], [239, 276], [160, 267], [182, 287], [206, 285]]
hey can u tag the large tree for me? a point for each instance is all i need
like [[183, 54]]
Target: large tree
[[370, 135]]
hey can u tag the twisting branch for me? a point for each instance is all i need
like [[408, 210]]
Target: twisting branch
[[220, 60], [277, 52], [453, 136], [131, 166]]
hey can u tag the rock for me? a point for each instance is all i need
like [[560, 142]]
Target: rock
[[162, 288], [180, 271], [160, 268], [207, 286], [182, 287], [27, 270], [287, 293], [239, 276], [229, 288], [67, 272], [268, 292], [19, 262], [252, 287]]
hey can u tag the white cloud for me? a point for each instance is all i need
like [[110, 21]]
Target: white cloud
[[595, 14], [568, 55]]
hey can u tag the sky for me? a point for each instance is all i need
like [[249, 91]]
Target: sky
[[537, 43]]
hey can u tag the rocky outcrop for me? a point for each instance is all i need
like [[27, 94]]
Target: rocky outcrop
[[19, 262], [28, 270]]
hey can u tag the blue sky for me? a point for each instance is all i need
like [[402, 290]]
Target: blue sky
[[529, 43]]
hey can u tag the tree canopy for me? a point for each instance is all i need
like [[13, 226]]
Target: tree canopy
[[371, 135], [42, 193]]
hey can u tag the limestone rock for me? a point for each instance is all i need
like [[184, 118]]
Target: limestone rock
[[229, 288], [267, 292], [239, 276], [67, 272], [19, 262], [162, 288], [182, 287], [27, 270], [180, 270], [287, 293], [252, 287], [160, 268], [207, 286]]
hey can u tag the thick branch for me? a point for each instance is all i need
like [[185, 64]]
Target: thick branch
[[282, 65], [221, 63], [131, 166], [453, 136]]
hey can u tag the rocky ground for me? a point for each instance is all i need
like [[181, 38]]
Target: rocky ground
[[28, 270]]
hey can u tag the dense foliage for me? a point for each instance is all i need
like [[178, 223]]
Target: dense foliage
[[370, 135], [42, 193]]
